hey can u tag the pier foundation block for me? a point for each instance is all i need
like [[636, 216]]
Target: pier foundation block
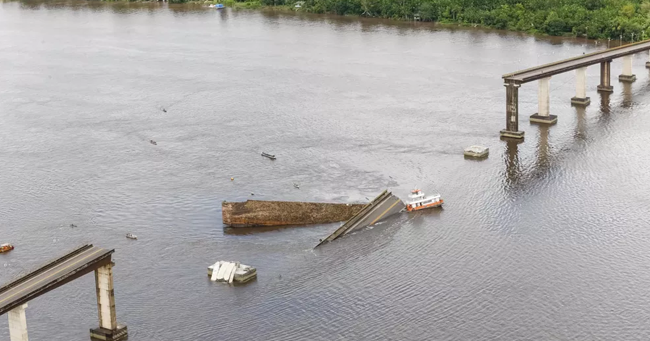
[[585, 101], [508, 134], [627, 78], [102, 334], [543, 119]]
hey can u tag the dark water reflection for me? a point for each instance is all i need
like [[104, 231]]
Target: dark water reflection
[[546, 239]]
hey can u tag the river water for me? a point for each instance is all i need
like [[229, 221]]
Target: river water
[[544, 240]]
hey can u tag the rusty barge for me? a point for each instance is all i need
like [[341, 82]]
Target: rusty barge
[[278, 213]]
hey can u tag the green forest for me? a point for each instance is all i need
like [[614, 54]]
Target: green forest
[[616, 19]]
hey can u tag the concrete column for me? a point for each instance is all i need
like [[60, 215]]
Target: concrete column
[[512, 112], [604, 85], [542, 96], [627, 75], [105, 297], [647, 64], [18, 324], [581, 88], [543, 115], [108, 329]]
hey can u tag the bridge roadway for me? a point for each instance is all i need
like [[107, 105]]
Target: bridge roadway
[[54, 274], [547, 70], [383, 206]]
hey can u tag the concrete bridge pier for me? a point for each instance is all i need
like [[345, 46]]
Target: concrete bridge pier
[[581, 88], [543, 116], [627, 75], [18, 324], [605, 71], [512, 112], [108, 329]]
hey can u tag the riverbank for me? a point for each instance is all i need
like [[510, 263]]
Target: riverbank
[[595, 19]]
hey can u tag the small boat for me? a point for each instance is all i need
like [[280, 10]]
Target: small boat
[[131, 236], [270, 156], [225, 271], [217, 6], [476, 151], [6, 247], [418, 201]]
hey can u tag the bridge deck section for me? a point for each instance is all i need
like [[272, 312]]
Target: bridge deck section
[[60, 271], [383, 206], [547, 70]]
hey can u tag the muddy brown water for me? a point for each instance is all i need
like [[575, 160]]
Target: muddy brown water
[[545, 240]]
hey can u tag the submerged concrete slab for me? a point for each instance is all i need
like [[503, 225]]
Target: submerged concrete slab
[[383, 206], [278, 213]]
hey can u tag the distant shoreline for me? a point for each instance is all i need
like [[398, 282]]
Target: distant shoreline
[[597, 19]]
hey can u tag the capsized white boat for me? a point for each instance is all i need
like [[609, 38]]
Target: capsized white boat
[[229, 272]]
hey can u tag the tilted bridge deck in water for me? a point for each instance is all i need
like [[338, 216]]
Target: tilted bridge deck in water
[[544, 72], [384, 205], [52, 275]]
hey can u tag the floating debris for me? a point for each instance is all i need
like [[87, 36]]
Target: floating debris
[[296, 185], [131, 236], [6, 247], [164, 110], [224, 271], [73, 225], [232, 179], [476, 151], [270, 156], [252, 193], [153, 142]]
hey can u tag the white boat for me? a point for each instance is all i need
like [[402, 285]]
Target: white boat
[[131, 236], [225, 271], [419, 201]]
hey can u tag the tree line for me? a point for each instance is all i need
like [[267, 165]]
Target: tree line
[[616, 19]]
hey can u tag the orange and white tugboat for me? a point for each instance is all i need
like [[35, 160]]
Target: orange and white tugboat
[[418, 201], [6, 248]]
